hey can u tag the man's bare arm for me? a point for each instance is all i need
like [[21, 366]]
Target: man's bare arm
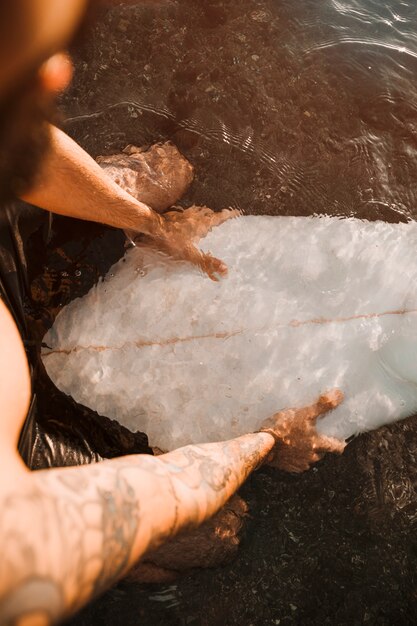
[[70, 182], [68, 534]]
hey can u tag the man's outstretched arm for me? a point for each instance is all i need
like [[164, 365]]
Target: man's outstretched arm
[[71, 183], [67, 534]]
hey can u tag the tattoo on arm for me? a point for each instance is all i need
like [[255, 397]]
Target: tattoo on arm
[[68, 534], [61, 551]]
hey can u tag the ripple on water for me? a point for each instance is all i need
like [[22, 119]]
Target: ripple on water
[[285, 108]]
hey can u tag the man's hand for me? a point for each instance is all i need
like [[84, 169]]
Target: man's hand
[[298, 442], [71, 183], [180, 230]]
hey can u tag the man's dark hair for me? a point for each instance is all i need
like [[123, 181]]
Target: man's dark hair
[[24, 135], [24, 107]]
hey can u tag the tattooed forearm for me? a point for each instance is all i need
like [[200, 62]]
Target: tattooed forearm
[[67, 534], [211, 473], [64, 541]]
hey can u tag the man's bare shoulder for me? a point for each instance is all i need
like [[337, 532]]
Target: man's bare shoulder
[[14, 380]]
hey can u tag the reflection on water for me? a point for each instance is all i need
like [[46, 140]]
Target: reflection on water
[[165, 595], [285, 107], [312, 105]]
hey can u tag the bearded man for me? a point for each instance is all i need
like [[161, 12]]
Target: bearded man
[[67, 534]]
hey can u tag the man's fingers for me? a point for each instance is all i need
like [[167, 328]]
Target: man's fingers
[[213, 267], [227, 214], [326, 402], [316, 456], [331, 444]]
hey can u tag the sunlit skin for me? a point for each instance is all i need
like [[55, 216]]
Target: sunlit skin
[[56, 73], [67, 534]]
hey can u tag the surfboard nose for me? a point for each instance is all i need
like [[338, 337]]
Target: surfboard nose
[[398, 356]]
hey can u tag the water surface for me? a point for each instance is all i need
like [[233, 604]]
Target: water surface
[[285, 107]]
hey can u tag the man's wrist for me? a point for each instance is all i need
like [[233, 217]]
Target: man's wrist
[[145, 220], [270, 431], [155, 224], [269, 445]]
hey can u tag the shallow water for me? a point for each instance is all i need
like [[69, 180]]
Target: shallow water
[[285, 107]]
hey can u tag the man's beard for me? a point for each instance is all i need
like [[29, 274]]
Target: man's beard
[[24, 139]]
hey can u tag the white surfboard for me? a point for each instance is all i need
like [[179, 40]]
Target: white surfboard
[[310, 303]]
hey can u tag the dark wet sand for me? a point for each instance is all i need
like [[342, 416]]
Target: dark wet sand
[[274, 122]]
